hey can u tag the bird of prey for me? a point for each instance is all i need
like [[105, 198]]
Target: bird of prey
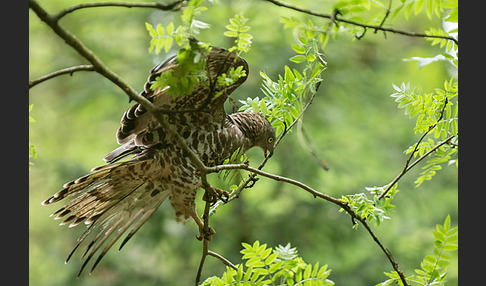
[[150, 166]]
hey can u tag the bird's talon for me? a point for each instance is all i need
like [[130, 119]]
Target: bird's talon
[[222, 194], [206, 234], [216, 194]]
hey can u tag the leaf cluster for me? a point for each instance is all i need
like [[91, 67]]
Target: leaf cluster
[[285, 99], [191, 65], [437, 114], [163, 38], [189, 72], [374, 209], [433, 269], [238, 29], [447, 10], [444, 9], [268, 266]]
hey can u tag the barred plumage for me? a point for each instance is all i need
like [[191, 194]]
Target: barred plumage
[[122, 195]]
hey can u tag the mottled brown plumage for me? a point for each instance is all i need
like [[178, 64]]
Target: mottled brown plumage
[[121, 196]]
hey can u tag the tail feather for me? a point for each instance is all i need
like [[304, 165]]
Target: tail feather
[[111, 200]]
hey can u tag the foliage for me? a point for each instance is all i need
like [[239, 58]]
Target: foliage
[[374, 209], [437, 114], [190, 70], [361, 146], [238, 29], [268, 266], [163, 38], [433, 269], [286, 98]]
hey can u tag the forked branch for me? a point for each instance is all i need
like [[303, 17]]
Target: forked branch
[[358, 24]]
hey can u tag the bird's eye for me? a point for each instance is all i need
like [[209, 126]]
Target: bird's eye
[[270, 140]]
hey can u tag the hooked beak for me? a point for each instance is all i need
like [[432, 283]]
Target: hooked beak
[[267, 155]]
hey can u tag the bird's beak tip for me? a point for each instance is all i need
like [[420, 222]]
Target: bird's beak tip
[[268, 154]]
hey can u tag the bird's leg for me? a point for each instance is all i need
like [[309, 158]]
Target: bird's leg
[[204, 232]]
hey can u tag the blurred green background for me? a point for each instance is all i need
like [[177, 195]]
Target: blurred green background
[[353, 123]]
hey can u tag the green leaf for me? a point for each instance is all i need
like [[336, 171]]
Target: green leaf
[[298, 59], [168, 44], [159, 44], [263, 107], [239, 273], [248, 274], [170, 28], [307, 271], [231, 34], [151, 30], [255, 107], [273, 266], [245, 36], [450, 247], [31, 119], [270, 259], [160, 30], [298, 49]]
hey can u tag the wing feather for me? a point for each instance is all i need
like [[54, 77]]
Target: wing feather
[[137, 121]]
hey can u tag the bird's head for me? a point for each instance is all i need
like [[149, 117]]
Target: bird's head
[[257, 130], [266, 139]]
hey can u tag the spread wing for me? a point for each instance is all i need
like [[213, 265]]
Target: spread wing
[[137, 120]]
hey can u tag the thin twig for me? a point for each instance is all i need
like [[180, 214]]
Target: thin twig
[[365, 26], [276, 178], [69, 71], [152, 5], [305, 141], [84, 51], [407, 167], [223, 259], [387, 13]]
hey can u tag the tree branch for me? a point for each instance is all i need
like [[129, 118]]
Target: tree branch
[[316, 194], [157, 5], [69, 71], [101, 68], [364, 26]]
